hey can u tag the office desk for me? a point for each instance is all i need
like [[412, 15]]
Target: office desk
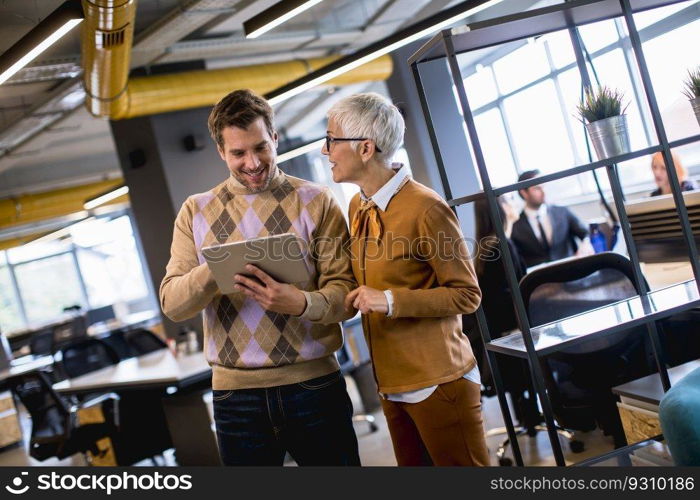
[[639, 402], [663, 274], [25, 364], [158, 391], [649, 389]]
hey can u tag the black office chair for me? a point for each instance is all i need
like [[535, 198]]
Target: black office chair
[[85, 356], [41, 342], [579, 378], [69, 331], [55, 428], [142, 341], [116, 339]]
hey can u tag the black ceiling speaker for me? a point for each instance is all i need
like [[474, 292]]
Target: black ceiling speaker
[[193, 142]]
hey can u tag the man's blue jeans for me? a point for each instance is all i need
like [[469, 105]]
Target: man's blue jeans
[[311, 420]]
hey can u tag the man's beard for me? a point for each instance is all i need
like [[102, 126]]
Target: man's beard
[[271, 171]]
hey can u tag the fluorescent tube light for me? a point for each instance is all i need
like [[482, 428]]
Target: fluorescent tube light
[[390, 46], [301, 150], [105, 197], [40, 38], [275, 15]]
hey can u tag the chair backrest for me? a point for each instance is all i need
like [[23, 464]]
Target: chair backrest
[[144, 341], [116, 339], [69, 331], [85, 356], [41, 342], [50, 415], [100, 314], [574, 286]]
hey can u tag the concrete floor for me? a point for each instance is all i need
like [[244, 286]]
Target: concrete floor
[[375, 448]]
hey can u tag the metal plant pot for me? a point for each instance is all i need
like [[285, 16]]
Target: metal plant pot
[[695, 103], [609, 136]]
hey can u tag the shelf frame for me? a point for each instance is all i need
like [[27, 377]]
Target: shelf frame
[[447, 45]]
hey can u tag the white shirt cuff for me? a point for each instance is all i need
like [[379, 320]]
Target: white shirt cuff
[[389, 302]]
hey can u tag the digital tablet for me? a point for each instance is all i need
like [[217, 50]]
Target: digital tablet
[[280, 256]]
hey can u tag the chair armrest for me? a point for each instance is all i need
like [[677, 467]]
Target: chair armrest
[[110, 398], [98, 400]]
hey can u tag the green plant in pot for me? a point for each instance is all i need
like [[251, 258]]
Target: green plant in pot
[[603, 114], [692, 90]]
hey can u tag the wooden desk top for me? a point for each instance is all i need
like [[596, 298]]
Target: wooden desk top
[[152, 370], [649, 389]]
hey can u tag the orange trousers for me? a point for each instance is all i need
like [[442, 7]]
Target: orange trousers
[[444, 429]]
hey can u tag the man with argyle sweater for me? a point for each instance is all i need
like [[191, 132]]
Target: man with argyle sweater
[[276, 381]]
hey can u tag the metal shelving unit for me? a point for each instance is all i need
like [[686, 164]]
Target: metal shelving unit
[[645, 309]]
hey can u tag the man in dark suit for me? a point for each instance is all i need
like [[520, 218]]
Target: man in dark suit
[[545, 232]]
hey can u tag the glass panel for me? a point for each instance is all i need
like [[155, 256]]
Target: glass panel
[[644, 19], [537, 126], [494, 144], [659, 304], [111, 270], [668, 70], [480, 87], [33, 251], [512, 74], [47, 286], [10, 316], [598, 35], [559, 44]]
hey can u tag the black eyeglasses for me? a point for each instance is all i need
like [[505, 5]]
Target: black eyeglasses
[[330, 140]]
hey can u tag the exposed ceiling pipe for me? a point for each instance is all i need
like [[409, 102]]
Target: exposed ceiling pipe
[[107, 34], [171, 92], [41, 206]]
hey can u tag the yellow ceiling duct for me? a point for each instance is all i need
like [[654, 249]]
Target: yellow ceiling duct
[[107, 33], [193, 89], [50, 204]]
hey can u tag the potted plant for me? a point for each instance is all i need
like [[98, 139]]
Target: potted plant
[[692, 91], [604, 116]]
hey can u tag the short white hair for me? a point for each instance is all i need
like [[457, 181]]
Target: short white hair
[[372, 116]]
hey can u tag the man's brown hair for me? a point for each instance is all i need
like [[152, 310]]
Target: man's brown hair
[[239, 109]]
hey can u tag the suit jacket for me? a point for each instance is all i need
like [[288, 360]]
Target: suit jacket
[[565, 228]]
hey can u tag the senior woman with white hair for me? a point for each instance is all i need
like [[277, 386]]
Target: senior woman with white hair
[[416, 280]]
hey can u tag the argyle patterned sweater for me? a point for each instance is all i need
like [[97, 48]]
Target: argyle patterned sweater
[[247, 346]]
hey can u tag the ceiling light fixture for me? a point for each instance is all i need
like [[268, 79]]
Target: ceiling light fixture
[[301, 150], [40, 38], [414, 32], [275, 15], [103, 198]]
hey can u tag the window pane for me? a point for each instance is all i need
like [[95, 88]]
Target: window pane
[[33, 251], [644, 19], [494, 144], [47, 286], [559, 44], [598, 35], [538, 130], [111, 270], [520, 67], [480, 87], [10, 317], [668, 70]]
